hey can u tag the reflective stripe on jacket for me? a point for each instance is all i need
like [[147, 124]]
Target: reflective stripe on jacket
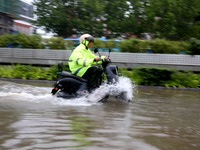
[[80, 60]]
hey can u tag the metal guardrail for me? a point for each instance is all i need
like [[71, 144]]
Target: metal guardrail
[[128, 60], [33, 56]]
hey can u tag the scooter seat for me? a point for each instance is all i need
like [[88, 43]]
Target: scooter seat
[[70, 75]]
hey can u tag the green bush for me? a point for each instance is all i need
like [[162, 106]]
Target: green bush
[[21, 72], [30, 72], [194, 47], [131, 45], [32, 42], [184, 79], [151, 76], [69, 45], [158, 46], [55, 43], [109, 44], [21, 41], [6, 72], [98, 44], [105, 45], [164, 47]]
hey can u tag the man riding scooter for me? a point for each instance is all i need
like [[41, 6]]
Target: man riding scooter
[[84, 64], [87, 71]]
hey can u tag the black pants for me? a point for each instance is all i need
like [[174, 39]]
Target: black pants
[[94, 76]]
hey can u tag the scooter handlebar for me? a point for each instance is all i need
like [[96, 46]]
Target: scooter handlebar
[[107, 60]]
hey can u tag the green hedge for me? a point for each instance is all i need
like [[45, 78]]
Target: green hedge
[[105, 45], [132, 46], [30, 72], [55, 43], [140, 76], [151, 76], [194, 47], [21, 41], [32, 42], [158, 46]]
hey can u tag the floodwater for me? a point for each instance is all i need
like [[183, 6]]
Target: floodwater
[[31, 118]]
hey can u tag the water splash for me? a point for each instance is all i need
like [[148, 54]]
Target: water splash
[[35, 94], [123, 86], [29, 93]]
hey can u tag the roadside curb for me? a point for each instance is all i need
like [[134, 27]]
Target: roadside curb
[[28, 81], [140, 86], [168, 88]]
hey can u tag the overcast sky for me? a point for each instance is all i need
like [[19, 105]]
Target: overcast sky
[[27, 1]]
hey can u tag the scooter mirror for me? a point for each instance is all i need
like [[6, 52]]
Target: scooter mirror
[[96, 50], [109, 52], [60, 65]]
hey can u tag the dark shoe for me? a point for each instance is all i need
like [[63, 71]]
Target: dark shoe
[[91, 89]]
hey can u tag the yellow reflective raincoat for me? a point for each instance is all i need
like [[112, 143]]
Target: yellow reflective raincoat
[[81, 60]]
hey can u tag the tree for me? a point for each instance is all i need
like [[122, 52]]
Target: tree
[[135, 22], [170, 19], [69, 17], [114, 17]]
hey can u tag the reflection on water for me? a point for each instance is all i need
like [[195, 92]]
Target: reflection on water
[[177, 118], [156, 120], [81, 128]]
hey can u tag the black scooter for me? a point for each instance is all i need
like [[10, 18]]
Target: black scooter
[[71, 86]]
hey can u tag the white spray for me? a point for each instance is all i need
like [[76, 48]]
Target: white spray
[[35, 94]]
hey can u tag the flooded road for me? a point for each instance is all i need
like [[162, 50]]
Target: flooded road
[[30, 118]]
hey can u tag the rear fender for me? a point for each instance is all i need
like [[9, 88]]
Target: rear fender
[[57, 86], [69, 85]]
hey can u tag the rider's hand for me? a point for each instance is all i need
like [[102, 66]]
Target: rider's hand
[[107, 58], [96, 59]]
